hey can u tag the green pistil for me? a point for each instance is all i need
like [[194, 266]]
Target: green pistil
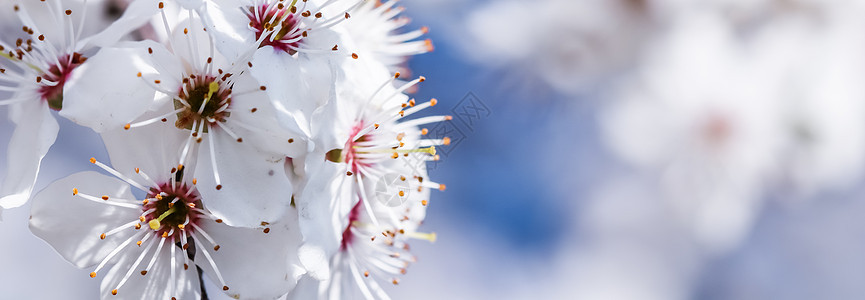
[[155, 223], [212, 88]]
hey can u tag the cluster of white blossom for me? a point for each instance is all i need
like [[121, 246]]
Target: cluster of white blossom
[[266, 144]]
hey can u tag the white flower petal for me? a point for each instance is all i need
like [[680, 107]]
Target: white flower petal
[[229, 26], [307, 288], [137, 14], [254, 189], [34, 134], [105, 92], [252, 262], [261, 128], [315, 261], [154, 148], [72, 225], [321, 226], [156, 284], [296, 85], [191, 4]]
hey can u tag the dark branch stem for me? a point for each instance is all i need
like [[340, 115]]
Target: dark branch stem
[[201, 284]]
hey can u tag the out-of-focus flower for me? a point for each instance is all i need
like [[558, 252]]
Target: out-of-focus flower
[[705, 116], [35, 70], [93, 219], [206, 97], [576, 46], [819, 59]]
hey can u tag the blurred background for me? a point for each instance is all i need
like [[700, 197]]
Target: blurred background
[[610, 149]]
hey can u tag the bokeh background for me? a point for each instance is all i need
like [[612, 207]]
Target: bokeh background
[[610, 149]]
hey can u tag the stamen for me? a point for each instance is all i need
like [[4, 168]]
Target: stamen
[[117, 174], [423, 236]]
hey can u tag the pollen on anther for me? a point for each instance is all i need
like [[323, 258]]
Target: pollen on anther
[[105, 197], [366, 274], [224, 287], [401, 193], [433, 102], [354, 55], [68, 12], [240, 140], [102, 236], [266, 230], [290, 141], [92, 274], [349, 173], [92, 160], [218, 186], [262, 88], [448, 118], [421, 79], [423, 202], [446, 141], [127, 126], [143, 272], [114, 292], [74, 191], [442, 187], [216, 248]]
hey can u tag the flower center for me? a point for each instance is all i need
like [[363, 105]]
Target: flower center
[[169, 207], [202, 99], [353, 217], [267, 17], [59, 73], [364, 150]]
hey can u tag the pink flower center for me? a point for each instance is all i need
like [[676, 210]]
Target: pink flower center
[[59, 73], [268, 17], [353, 216]]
